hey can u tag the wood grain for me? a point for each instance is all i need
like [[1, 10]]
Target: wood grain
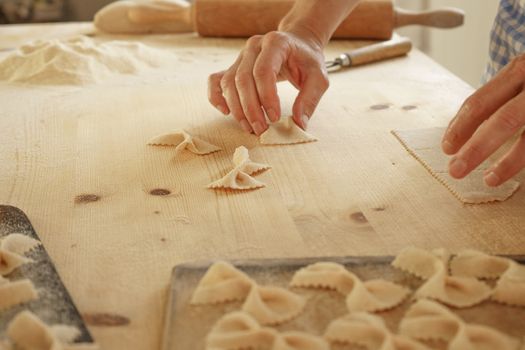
[[355, 192]]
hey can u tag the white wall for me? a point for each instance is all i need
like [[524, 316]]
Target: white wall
[[463, 51]]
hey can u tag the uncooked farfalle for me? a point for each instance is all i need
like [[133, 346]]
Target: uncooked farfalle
[[12, 250], [433, 266], [181, 140], [428, 320], [373, 295], [16, 292], [222, 283], [368, 331], [285, 132], [26, 331], [241, 176], [510, 287], [273, 305], [239, 330]]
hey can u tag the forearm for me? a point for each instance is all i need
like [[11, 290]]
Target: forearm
[[317, 19]]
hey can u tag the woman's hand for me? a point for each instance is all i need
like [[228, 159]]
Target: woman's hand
[[488, 119], [248, 89]]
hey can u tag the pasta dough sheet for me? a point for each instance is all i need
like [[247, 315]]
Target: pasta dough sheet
[[425, 146], [187, 325]]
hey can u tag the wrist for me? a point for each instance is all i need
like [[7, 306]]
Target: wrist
[[306, 33]]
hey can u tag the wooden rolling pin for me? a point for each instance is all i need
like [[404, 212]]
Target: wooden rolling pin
[[371, 19]]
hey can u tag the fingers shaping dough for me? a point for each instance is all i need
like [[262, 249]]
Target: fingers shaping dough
[[28, 332], [372, 295], [428, 320], [222, 283], [369, 331], [15, 293], [285, 132], [273, 305], [451, 290], [425, 146], [240, 178], [181, 140], [12, 249]]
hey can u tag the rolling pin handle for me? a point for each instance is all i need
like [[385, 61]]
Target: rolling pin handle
[[444, 18]]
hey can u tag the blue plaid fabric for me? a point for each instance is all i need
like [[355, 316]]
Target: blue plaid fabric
[[507, 37]]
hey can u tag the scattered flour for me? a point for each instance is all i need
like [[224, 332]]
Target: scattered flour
[[78, 61]]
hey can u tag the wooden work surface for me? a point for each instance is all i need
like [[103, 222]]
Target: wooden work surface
[[76, 161]]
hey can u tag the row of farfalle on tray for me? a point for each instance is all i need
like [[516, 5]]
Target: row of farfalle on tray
[[26, 331], [451, 281], [284, 132], [455, 281]]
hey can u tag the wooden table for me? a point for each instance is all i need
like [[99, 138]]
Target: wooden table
[[76, 161]]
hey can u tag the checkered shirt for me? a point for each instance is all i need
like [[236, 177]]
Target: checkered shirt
[[507, 37]]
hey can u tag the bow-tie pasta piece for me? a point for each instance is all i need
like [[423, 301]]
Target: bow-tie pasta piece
[[285, 132], [428, 320], [239, 330], [12, 249], [222, 283], [326, 275], [433, 266], [28, 332], [18, 243], [372, 296], [368, 331], [416, 261], [273, 305], [181, 140], [510, 288], [375, 296], [299, 341], [471, 263], [453, 290], [15, 293], [240, 178]]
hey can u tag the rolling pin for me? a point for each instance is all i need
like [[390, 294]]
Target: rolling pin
[[371, 19]]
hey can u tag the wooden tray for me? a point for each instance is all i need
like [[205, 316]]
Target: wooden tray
[[54, 304], [186, 326]]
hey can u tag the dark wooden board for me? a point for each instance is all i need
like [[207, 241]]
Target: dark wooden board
[[54, 305], [186, 326]]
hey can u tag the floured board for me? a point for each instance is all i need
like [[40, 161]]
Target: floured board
[[54, 304], [425, 146], [186, 326]]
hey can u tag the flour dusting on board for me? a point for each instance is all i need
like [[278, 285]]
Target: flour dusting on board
[[79, 61]]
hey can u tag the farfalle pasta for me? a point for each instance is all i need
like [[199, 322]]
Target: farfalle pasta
[[222, 283], [240, 177], [15, 293], [299, 341], [372, 295], [368, 331], [285, 132], [268, 305], [273, 305], [27, 332], [182, 140], [510, 287], [428, 320], [12, 250], [239, 330], [433, 266]]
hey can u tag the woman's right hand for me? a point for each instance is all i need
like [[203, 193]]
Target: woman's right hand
[[248, 88]]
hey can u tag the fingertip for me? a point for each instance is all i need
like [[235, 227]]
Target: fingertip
[[272, 115], [457, 168], [492, 179], [223, 109], [448, 147]]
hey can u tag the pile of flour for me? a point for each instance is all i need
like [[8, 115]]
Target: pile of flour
[[79, 61]]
